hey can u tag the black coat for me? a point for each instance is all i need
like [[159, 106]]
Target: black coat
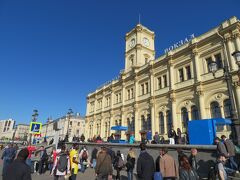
[[18, 170], [145, 166]]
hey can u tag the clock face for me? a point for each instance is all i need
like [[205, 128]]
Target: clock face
[[146, 42], [132, 43]]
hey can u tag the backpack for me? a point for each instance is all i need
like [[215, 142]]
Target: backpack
[[84, 155], [120, 163], [213, 173], [62, 163]]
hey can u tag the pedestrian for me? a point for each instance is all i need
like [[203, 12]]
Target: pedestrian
[[186, 172], [180, 154], [83, 155], [145, 164], [221, 149], [231, 152], [221, 160], [171, 135], [193, 159], [19, 170], [82, 138], [118, 164], [61, 165], [131, 139], [131, 157], [94, 157], [179, 136], [74, 161], [168, 167], [156, 138], [103, 168], [8, 156], [42, 161]]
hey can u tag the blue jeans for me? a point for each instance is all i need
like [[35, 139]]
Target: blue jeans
[[29, 162], [94, 162], [130, 175], [232, 163]]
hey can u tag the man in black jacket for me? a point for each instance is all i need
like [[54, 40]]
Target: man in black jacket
[[19, 170], [145, 164]]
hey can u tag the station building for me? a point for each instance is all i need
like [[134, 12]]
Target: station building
[[153, 94]]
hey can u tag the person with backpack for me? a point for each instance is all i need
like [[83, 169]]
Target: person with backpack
[[61, 165], [43, 160], [145, 164], [131, 157], [18, 169], [103, 168], [8, 156], [186, 172], [83, 159], [118, 164]]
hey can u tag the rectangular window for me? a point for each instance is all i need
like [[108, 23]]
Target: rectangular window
[[208, 61], [165, 80], [78, 123], [120, 97], [218, 60], [159, 82], [181, 75], [132, 95], [147, 89], [188, 72], [70, 123], [128, 94], [116, 98], [142, 89]]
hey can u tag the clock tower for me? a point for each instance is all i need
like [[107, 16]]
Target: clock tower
[[139, 47]]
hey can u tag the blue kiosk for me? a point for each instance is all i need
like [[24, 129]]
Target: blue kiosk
[[117, 135], [203, 132]]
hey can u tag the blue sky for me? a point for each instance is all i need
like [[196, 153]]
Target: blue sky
[[54, 52]]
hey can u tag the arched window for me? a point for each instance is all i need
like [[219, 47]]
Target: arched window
[[215, 110], [149, 123], [116, 122], [161, 123], [169, 120], [185, 119], [143, 123], [227, 108], [106, 129], [120, 122], [194, 112], [133, 125]]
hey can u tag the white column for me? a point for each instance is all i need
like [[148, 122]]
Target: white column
[[196, 66], [171, 75], [230, 50], [153, 121], [137, 126], [236, 90], [202, 111], [237, 42], [165, 122]]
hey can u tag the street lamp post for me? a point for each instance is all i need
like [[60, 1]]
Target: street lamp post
[[45, 138], [228, 77], [34, 119], [69, 114]]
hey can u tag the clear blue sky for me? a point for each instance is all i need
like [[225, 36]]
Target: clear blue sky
[[54, 52]]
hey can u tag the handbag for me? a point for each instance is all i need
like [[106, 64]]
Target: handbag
[[158, 176]]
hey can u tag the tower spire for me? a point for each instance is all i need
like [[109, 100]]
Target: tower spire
[[139, 18]]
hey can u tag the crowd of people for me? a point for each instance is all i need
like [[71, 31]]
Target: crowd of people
[[66, 163]]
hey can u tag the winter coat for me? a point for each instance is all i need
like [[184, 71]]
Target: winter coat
[[19, 170], [230, 147], [168, 167], [145, 166]]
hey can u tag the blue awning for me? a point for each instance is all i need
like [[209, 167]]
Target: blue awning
[[119, 128], [222, 121]]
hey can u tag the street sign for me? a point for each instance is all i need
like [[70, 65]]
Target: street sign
[[35, 127]]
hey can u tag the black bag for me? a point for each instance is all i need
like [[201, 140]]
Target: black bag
[[62, 163]]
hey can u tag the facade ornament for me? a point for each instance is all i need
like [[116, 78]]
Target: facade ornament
[[218, 96], [195, 52], [236, 84], [163, 108], [199, 92]]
